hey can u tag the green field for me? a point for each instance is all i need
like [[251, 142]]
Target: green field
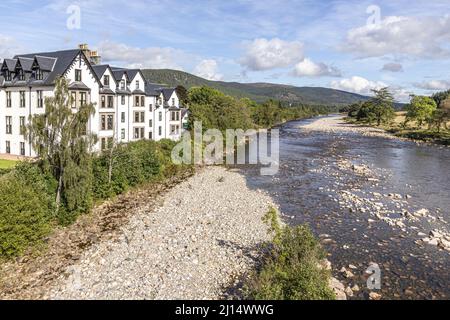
[[7, 164]]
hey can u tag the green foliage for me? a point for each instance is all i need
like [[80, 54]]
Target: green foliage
[[26, 209], [219, 111], [440, 97], [60, 139], [420, 109], [291, 269]]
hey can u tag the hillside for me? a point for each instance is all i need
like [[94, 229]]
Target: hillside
[[257, 91]]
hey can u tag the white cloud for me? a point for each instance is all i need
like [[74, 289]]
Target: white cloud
[[8, 47], [263, 54], [308, 68], [134, 57], [357, 85], [208, 69], [420, 37], [392, 67], [434, 85]]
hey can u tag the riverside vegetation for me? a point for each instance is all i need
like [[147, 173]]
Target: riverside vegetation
[[68, 180], [425, 118], [291, 269]]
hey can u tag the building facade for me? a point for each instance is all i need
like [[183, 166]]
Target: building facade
[[128, 106]]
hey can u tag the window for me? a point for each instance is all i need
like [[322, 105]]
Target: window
[[39, 74], [123, 117], [8, 99], [122, 84], [8, 76], [142, 101], [110, 102], [8, 125], [122, 134], [160, 130], [83, 100], [22, 148], [74, 100], [139, 117], [173, 101], [139, 133], [40, 99], [22, 125], [106, 143], [110, 122], [21, 75], [137, 84], [22, 99], [150, 123], [106, 80], [8, 147], [137, 102], [103, 144], [174, 129], [160, 116], [150, 135], [174, 116], [107, 122], [150, 108], [123, 99], [103, 102], [78, 75], [159, 101]]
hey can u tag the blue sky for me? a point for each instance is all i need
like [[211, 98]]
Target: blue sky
[[349, 45]]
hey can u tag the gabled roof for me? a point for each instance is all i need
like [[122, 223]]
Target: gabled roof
[[10, 64], [167, 93], [100, 69], [45, 63], [152, 89], [118, 74], [26, 63]]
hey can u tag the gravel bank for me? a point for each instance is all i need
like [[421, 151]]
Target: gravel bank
[[192, 247], [337, 124]]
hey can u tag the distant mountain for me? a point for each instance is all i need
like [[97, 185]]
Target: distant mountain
[[258, 92]]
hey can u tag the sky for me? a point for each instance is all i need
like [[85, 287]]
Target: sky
[[353, 45]]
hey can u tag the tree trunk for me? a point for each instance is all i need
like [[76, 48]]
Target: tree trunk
[[58, 192]]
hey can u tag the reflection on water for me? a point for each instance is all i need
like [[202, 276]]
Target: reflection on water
[[408, 270]]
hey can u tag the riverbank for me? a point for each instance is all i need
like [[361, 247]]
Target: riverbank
[[397, 130], [198, 240]]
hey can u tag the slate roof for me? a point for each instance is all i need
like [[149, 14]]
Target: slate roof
[[26, 63], [100, 70], [10, 64], [167, 93]]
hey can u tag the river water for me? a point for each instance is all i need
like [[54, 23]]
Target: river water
[[309, 188]]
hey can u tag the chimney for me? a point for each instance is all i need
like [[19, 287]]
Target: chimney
[[93, 56]]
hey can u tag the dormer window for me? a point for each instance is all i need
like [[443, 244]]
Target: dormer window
[[8, 75], [21, 75], [137, 84], [39, 74], [106, 80], [122, 84], [78, 75]]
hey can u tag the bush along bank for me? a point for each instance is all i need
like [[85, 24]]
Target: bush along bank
[[291, 268], [27, 199]]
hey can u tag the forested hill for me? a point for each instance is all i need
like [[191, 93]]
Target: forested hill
[[258, 92]]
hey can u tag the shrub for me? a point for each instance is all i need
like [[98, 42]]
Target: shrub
[[291, 268], [26, 209]]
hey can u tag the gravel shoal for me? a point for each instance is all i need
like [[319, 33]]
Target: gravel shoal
[[203, 238], [337, 124]]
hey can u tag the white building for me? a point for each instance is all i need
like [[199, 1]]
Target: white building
[[128, 107]]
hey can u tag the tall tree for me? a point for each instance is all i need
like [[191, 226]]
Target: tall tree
[[382, 105], [64, 146], [183, 95], [420, 109]]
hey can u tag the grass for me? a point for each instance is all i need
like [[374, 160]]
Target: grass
[[291, 268], [412, 131], [7, 164]]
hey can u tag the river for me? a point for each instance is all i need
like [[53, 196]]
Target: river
[[317, 185]]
